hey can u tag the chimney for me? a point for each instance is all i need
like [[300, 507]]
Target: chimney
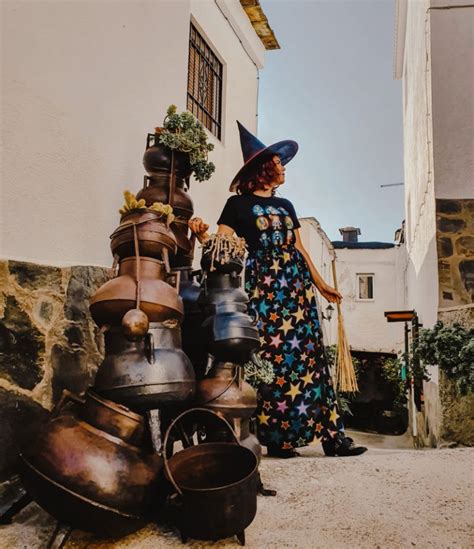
[[350, 234]]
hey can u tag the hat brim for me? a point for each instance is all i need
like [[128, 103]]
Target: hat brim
[[286, 150]]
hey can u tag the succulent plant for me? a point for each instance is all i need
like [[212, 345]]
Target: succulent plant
[[184, 133]]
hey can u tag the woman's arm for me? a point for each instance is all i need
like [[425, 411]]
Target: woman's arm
[[328, 292], [199, 228]]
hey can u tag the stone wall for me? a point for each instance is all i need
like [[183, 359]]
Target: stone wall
[[48, 342], [457, 411], [455, 244]]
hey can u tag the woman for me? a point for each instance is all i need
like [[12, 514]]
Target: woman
[[300, 404]]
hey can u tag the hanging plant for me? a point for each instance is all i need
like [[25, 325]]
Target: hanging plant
[[182, 132]]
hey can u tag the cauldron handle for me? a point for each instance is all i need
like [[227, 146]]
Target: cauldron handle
[[65, 397], [171, 427]]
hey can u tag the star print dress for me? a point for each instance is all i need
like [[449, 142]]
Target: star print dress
[[300, 404]]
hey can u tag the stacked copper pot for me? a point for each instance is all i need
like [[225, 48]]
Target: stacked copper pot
[[230, 338], [93, 465]]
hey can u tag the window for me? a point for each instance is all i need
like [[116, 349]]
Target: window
[[365, 286], [204, 83]]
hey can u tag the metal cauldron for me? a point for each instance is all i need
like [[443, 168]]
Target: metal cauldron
[[230, 334], [217, 485], [148, 373], [189, 290], [158, 159], [155, 238], [159, 300], [225, 391], [88, 467], [221, 265], [218, 288], [160, 189]]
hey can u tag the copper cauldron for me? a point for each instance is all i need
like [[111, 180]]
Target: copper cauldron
[[155, 238], [159, 300], [158, 189], [87, 467], [230, 334], [158, 159], [224, 391], [146, 374]]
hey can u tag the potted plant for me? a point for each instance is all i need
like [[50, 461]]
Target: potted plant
[[185, 135]]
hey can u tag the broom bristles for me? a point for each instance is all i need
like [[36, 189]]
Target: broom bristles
[[346, 380]]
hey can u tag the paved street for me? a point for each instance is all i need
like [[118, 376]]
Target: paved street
[[392, 496]]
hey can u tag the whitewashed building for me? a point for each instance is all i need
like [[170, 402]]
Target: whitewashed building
[[82, 85], [434, 56]]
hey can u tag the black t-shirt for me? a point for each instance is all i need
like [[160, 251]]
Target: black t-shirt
[[264, 222]]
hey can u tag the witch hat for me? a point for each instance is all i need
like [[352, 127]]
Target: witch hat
[[253, 150]]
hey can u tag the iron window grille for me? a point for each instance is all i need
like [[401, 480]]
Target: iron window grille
[[204, 97]]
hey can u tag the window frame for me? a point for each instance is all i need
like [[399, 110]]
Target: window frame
[[365, 299], [199, 43]]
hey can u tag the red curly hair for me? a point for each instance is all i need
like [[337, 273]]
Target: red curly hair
[[257, 177]]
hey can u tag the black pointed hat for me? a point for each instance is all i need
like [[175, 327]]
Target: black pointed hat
[[253, 150]]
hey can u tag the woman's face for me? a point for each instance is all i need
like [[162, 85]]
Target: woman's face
[[279, 171]]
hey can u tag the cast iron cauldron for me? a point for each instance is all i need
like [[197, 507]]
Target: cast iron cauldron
[[155, 238], [148, 373], [230, 334], [218, 288], [217, 485], [159, 300], [88, 467], [220, 264]]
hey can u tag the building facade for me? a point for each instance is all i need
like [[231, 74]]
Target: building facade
[[82, 85], [434, 54]]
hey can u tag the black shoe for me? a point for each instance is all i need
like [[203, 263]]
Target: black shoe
[[283, 454], [341, 446]]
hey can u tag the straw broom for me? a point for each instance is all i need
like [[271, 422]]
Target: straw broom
[[345, 378]]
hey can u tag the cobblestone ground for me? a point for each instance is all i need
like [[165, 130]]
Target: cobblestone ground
[[390, 497]]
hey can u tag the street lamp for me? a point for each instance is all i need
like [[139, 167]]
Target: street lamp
[[329, 311]]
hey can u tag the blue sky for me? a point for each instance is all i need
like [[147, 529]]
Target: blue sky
[[331, 88]]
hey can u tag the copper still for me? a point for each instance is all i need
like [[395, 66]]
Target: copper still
[[89, 467], [145, 374], [159, 300]]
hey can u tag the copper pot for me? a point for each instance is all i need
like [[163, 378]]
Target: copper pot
[[157, 159], [155, 238], [148, 373], [88, 467], [157, 189], [225, 391], [159, 300]]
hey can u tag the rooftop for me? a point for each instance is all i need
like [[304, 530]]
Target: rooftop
[[259, 21], [339, 244]]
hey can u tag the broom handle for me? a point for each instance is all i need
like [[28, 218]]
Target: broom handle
[[334, 276]]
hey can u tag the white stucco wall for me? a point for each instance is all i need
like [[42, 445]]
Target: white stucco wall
[[83, 83], [421, 268], [452, 81], [366, 327]]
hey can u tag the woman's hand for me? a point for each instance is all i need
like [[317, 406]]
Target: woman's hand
[[330, 293], [199, 228]]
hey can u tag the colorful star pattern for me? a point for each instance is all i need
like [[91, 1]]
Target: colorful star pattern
[[300, 404]]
